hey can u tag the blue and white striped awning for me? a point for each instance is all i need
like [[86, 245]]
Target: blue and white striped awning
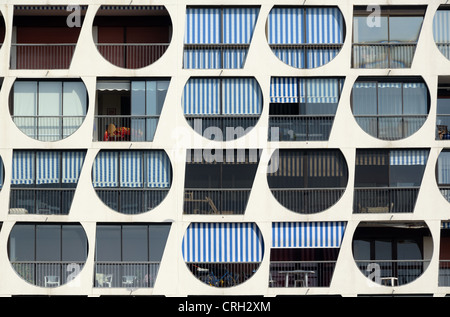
[[445, 224], [286, 90], [223, 242], [441, 26], [408, 157], [287, 25], [22, 168], [137, 169], [308, 234], [47, 167], [213, 96], [72, 163]]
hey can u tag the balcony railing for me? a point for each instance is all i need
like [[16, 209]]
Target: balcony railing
[[42, 56], [132, 55], [215, 201], [306, 55], [385, 200], [227, 274], [445, 191], [209, 56], [444, 273], [47, 274], [302, 128], [131, 201], [383, 55], [442, 127], [48, 128], [222, 127], [307, 201], [301, 273], [42, 201], [131, 274], [444, 48], [125, 128], [391, 127], [393, 272]]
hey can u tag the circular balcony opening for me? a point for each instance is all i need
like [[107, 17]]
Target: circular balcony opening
[[48, 109], [390, 108], [224, 108], [307, 181], [132, 181], [441, 34], [305, 37], [132, 37], [394, 253], [223, 254], [47, 254]]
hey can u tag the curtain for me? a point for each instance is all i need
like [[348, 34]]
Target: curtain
[[25, 104], [441, 26], [49, 110], [74, 106], [443, 171]]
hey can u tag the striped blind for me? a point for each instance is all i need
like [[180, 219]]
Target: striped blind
[[135, 169], [223, 242], [308, 234], [408, 157], [214, 96], [47, 167], [441, 26]]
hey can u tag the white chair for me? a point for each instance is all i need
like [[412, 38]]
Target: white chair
[[128, 280], [107, 280], [51, 280]]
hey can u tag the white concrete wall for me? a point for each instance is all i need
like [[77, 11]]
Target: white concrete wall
[[174, 136]]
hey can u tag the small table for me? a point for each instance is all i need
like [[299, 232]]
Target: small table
[[393, 280], [305, 272]]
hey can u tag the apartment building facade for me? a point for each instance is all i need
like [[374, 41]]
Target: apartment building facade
[[183, 148]]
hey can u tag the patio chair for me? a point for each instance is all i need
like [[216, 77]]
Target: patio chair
[[107, 280], [51, 280], [128, 280]]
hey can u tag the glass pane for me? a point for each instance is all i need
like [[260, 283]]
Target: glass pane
[[361, 250], [389, 98], [322, 96], [74, 99], [25, 98], [404, 29], [365, 30], [408, 250], [74, 243], [48, 243], [415, 98], [138, 98], [108, 243], [156, 94], [21, 243], [158, 235], [134, 243], [443, 105], [364, 98], [383, 250], [50, 98], [406, 176]]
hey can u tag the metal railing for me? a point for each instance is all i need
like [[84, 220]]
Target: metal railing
[[442, 126], [222, 127], [119, 128], [302, 127], [214, 55], [46, 273], [132, 55], [42, 201], [306, 55], [444, 273], [48, 128], [392, 272], [383, 55], [131, 201], [307, 200], [391, 127], [215, 201], [301, 273], [444, 48], [41, 56], [220, 275], [385, 199], [128, 274]]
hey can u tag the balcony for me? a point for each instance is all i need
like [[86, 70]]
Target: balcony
[[116, 128], [222, 127], [215, 201], [42, 201], [385, 200], [383, 55], [393, 272], [42, 56], [301, 273], [132, 201], [126, 274], [132, 55], [47, 274], [307, 201], [391, 127], [301, 128], [223, 274]]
